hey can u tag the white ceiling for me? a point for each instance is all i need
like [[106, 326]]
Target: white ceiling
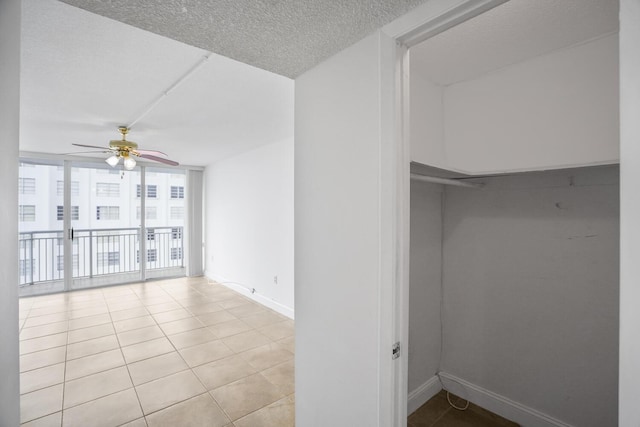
[[287, 37], [82, 75], [511, 33]]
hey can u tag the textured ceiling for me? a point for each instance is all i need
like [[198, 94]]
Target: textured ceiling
[[82, 75], [510, 33], [286, 37]]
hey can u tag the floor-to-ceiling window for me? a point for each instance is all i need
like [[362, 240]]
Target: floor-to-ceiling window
[[40, 233], [164, 221], [106, 237], [122, 226]]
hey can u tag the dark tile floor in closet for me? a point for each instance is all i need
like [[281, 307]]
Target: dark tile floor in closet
[[438, 413]]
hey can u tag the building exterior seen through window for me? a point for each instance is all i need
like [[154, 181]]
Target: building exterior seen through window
[[105, 214]]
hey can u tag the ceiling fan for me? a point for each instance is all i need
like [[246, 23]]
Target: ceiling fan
[[127, 150]]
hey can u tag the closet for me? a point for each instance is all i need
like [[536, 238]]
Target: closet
[[514, 282]]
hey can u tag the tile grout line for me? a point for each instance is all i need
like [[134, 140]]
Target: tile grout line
[[182, 358], [185, 362], [174, 298], [64, 376], [135, 390], [259, 372], [179, 355]]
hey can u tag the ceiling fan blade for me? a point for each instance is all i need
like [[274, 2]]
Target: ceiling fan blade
[[87, 152], [91, 146], [152, 153], [158, 159]]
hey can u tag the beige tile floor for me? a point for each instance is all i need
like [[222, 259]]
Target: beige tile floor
[[181, 352]]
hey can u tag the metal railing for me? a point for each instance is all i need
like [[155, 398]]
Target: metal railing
[[98, 252]]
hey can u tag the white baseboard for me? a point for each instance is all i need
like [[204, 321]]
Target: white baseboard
[[507, 408], [422, 394], [261, 299]]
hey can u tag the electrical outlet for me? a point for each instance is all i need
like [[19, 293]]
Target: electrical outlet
[[275, 279]]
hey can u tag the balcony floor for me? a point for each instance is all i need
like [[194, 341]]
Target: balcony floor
[[165, 353]]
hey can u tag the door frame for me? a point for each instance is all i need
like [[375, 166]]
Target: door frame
[[424, 22]]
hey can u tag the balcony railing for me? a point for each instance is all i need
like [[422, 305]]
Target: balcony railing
[[98, 252]]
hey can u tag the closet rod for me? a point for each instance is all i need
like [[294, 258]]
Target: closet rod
[[445, 181]]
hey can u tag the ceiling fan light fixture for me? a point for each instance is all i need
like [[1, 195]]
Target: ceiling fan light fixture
[[113, 161], [129, 163]]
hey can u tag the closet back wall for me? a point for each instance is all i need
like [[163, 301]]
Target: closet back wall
[[531, 287]]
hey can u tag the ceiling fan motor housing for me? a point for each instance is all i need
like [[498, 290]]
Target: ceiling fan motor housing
[[119, 144]]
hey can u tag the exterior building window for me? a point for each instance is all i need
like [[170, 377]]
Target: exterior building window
[[151, 212], [152, 255], [108, 259], [61, 262], [107, 213], [27, 213], [176, 233], [75, 188], [176, 212], [176, 253], [26, 267], [27, 185], [177, 192], [107, 189], [152, 191], [75, 213], [109, 241]]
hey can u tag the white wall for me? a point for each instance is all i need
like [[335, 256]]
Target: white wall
[[630, 213], [427, 120], [552, 111], [425, 283], [249, 224], [531, 291], [342, 201], [9, 134]]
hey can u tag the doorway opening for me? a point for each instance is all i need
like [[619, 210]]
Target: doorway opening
[[513, 277]]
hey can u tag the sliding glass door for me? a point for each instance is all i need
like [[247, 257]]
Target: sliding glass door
[[105, 230], [87, 224]]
